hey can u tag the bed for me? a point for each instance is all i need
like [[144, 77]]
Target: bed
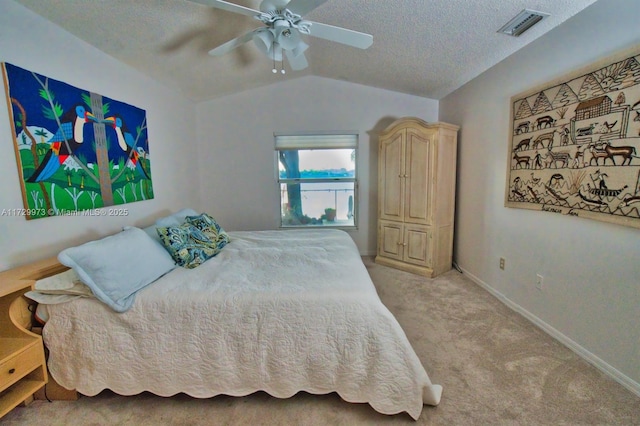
[[276, 311]]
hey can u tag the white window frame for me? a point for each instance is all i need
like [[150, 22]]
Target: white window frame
[[318, 141]]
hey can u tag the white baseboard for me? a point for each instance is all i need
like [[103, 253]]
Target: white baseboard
[[591, 358]]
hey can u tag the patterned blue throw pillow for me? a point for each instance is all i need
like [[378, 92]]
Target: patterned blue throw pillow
[[188, 246], [210, 228]]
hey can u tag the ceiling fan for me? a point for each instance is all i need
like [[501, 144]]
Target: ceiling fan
[[283, 24]]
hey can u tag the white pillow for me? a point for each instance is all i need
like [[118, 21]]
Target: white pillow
[[175, 219], [59, 288], [116, 267], [151, 231], [164, 222], [67, 282], [50, 299]]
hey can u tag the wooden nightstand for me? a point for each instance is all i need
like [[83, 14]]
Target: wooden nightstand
[[23, 369]]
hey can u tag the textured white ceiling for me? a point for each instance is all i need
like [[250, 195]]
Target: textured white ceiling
[[426, 48]]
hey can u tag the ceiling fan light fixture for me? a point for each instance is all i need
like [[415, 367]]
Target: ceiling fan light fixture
[[299, 49], [263, 38], [266, 43], [288, 38]]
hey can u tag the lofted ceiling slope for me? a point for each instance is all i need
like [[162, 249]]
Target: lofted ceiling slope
[[426, 48]]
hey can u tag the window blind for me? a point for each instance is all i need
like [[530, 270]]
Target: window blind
[[317, 141]]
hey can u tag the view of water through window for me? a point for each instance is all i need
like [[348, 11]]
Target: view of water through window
[[317, 197], [328, 195]]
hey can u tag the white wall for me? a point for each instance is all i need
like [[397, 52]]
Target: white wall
[[30, 42], [591, 295], [236, 156]]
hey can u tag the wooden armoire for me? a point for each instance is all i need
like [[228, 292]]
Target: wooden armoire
[[416, 195]]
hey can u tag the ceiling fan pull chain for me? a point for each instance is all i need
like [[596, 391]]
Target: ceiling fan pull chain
[[273, 50]]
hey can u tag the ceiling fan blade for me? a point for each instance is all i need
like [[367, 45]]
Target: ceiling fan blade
[[341, 35], [230, 7], [302, 7], [298, 62], [231, 44]]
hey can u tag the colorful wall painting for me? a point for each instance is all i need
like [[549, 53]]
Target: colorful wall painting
[[574, 144], [75, 150]]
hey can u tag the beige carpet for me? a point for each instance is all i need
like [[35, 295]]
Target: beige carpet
[[496, 369]]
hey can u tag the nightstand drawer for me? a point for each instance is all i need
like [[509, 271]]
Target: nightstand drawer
[[19, 365]]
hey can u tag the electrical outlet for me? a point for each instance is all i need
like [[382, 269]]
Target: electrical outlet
[[502, 263], [539, 281]]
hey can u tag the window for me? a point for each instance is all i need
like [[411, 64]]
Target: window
[[317, 179]]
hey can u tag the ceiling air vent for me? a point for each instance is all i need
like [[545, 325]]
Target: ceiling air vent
[[522, 22]]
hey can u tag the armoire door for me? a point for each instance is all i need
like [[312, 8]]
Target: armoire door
[[418, 174], [391, 179], [416, 244], [390, 240]]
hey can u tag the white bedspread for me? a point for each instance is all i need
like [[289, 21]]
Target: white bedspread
[[278, 311]]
